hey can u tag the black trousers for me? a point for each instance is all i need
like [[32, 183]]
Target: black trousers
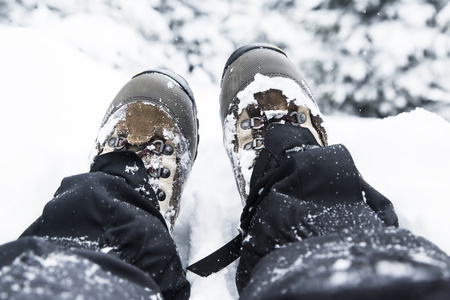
[[101, 237], [314, 229]]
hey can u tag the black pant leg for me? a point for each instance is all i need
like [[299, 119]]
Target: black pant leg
[[35, 268], [114, 209], [311, 219], [383, 263]]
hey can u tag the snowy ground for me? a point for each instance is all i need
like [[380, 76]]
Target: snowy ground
[[54, 97]]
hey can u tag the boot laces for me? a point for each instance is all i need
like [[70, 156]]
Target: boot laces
[[148, 149]]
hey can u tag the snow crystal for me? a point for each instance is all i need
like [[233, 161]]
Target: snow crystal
[[229, 131], [275, 113], [81, 241], [341, 278], [278, 273], [364, 196], [170, 135], [106, 249], [132, 169], [297, 149], [106, 130], [397, 269], [341, 264]]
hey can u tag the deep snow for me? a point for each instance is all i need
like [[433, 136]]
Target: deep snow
[[54, 98]]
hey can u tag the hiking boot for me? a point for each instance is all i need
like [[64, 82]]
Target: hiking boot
[[261, 87], [155, 115]]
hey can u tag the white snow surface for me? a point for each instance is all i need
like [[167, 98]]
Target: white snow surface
[[54, 97], [291, 90]]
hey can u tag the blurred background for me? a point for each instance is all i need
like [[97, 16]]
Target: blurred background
[[371, 58], [63, 61]]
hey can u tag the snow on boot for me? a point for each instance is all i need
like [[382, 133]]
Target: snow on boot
[[155, 115], [260, 87]]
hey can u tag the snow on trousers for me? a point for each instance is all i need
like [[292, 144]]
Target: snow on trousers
[[101, 237], [314, 229]]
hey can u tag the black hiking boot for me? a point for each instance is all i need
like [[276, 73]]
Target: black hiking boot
[[155, 115], [262, 87]]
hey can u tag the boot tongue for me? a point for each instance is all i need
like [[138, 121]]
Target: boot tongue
[[278, 140]]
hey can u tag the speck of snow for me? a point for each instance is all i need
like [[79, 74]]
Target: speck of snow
[[341, 264], [132, 169], [397, 269], [106, 249]]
